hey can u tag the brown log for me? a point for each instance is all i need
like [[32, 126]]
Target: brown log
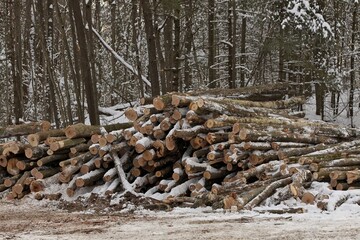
[[253, 135], [113, 186], [324, 173], [14, 148], [352, 176], [128, 133], [81, 130], [319, 158], [50, 159], [102, 141], [195, 119], [162, 102], [133, 113], [181, 101], [19, 185], [136, 137], [65, 144], [9, 182], [110, 175], [24, 129], [83, 158], [24, 165], [68, 172], [50, 140], [89, 166], [268, 191], [217, 137], [90, 178], [213, 173], [335, 163], [216, 123], [143, 144], [115, 136], [3, 161], [11, 167], [308, 198], [37, 186], [290, 152], [83, 147], [37, 152], [163, 172], [338, 175], [35, 139]]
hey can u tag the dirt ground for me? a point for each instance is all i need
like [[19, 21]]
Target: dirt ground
[[44, 220]]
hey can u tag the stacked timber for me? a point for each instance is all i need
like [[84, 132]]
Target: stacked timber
[[235, 152]]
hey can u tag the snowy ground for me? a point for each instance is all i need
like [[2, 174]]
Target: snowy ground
[[32, 220]]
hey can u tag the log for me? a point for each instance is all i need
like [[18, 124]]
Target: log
[[83, 147], [24, 165], [81, 130], [89, 178], [11, 167], [213, 173], [50, 159], [324, 173], [19, 185], [268, 191], [113, 186], [335, 163], [9, 182], [143, 144], [65, 144], [352, 176], [162, 102], [115, 136], [89, 166], [110, 175], [35, 139], [24, 129], [3, 161], [133, 113], [36, 152], [279, 136], [37, 186]]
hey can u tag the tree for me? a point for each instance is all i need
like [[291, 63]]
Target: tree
[[90, 88], [150, 39]]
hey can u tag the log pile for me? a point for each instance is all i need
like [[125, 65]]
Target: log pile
[[198, 150]]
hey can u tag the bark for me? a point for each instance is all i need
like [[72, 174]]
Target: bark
[[150, 38]]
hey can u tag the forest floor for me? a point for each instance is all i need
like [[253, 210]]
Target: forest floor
[[32, 220]]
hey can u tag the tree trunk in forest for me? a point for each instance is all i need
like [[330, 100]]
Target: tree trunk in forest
[[188, 44], [17, 62], [77, 80], [176, 82], [232, 16], [135, 19], [352, 64], [243, 48], [150, 38], [211, 44], [90, 88]]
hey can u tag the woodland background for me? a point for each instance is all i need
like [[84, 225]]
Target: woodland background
[[61, 60]]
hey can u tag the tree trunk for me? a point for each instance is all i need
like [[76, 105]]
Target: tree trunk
[[88, 81], [150, 38]]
